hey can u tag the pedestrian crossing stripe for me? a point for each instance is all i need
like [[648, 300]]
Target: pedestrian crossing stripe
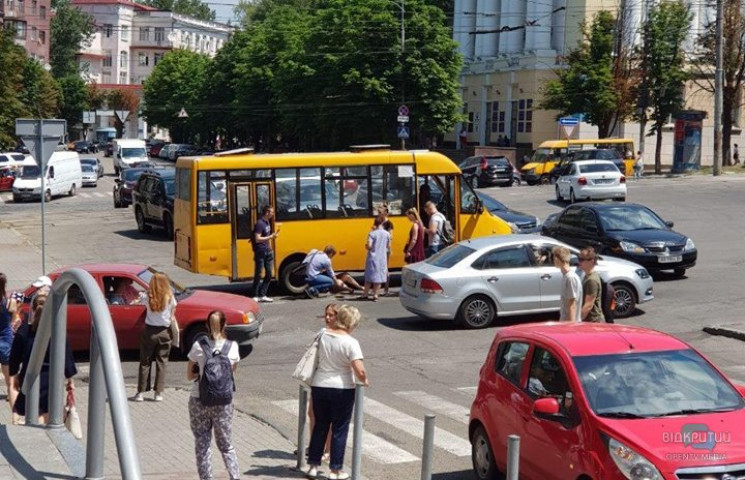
[[100, 195], [471, 390], [437, 405]]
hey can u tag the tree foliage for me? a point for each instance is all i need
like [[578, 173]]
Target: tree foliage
[[665, 33], [71, 29], [193, 8], [121, 99], [74, 99], [592, 84]]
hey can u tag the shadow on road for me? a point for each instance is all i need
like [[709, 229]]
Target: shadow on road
[[156, 234], [461, 475], [420, 324]]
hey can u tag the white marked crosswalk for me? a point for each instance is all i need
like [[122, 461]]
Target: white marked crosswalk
[[437, 405], [7, 197]]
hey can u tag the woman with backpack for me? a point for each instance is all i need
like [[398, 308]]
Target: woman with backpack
[[212, 361], [155, 341]]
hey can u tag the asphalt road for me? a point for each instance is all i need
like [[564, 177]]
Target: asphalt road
[[418, 366]]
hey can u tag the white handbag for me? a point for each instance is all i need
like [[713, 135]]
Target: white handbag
[[308, 364]]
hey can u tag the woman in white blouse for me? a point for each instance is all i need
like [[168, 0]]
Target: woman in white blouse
[[339, 364], [155, 341]]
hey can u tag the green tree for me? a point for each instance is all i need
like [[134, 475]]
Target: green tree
[[178, 81], [665, 33], [120, 99], [71, 29], [193, 8], [593, 84], [74, 100], [733, 67]]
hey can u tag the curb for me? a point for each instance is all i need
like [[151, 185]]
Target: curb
[[726, 331]]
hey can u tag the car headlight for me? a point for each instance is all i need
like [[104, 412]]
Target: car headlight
[[513, 227], [690, 245], [631, 464], [642, 273], [631, 247], [249, 317]]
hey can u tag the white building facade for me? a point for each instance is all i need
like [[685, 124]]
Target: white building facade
[[130, 41]]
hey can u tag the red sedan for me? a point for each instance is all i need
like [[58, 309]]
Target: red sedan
[[7, 176], [244, 317], [605, 402]]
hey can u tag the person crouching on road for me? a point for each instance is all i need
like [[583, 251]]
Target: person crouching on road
[[155, 341], [332, 389], [592, 308], [320, 274], [205, 419]]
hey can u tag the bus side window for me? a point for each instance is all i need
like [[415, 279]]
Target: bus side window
[[393, 186], [350, 187], [212, 199]]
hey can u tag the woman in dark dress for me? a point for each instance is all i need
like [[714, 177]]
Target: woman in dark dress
[[20, 355], [414, 249]]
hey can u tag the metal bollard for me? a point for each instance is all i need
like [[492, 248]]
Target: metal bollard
[[301, 422], [359, 401], [513, 457], [429, 440]]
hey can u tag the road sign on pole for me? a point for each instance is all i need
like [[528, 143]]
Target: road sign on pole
[[403, 132], [89, 117], [403, 119], [122, 114], [403, 110], [568, 126]]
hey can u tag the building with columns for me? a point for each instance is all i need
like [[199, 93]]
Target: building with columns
[[511, 48]]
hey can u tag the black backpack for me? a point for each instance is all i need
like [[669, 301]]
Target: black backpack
[[216, 384], [608, 300]]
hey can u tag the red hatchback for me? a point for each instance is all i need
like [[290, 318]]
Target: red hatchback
[[244, 317], [605, 402]]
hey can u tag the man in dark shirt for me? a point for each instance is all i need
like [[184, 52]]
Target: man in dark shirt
[[263, 254], [592, 309]]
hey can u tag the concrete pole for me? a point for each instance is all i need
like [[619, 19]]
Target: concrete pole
[[57, 366], [94, 455], [513, 457], [359, 401], [301, 422], [427, 446], [718, 83], [43, 166]]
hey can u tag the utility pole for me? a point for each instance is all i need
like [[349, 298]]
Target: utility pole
[[718, 81], [644, 97]]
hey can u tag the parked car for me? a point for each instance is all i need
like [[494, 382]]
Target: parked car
[[183, 150], [606, 402], [610, 154], [591, 180], [13, 160], [475, 281], [244, 318], [95, 163], [7, 176], [152, 198], [90, 175], [523, 222], [165, 151], [155, 148], [84, 146], [63, 176], [123, 186], [483, 171], [625, 230]]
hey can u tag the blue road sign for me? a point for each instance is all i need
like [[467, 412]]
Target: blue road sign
[[569, 121], [403, 131]]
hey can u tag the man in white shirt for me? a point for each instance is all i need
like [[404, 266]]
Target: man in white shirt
[[571, 287], [434, 229]]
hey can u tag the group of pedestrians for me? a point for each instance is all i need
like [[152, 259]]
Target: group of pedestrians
[[580, 299]]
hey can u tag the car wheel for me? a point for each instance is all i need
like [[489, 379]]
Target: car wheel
[[72, 190], [141, 225], [625, 300], [48, 196], [292, 277], [168, 226], [482, 456], [572, 198], [558, 195], [477, 311], [679, 272], [531, 183], [515, 182], [545, 180], [117, 201], [16, 199]]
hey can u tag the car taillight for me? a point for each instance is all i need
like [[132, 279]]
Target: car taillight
[[622, 179], [582, 181], [430, 286], [484, 164]]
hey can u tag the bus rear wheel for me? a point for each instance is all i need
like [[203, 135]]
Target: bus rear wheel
[[292, 277]]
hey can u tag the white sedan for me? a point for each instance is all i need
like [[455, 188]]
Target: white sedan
[[591, 180]]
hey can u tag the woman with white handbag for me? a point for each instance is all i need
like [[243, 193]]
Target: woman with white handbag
[[340, 362]]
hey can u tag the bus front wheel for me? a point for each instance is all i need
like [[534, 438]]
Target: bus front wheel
[[292, 276]]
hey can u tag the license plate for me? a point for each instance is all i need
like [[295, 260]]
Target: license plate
[[603, 181], [670, 259]]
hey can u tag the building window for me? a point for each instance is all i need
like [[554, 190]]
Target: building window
[[122, 78], [145, 34], [124, 33], [107, 61], [43, 12], [43, 37], [33, 33], [123, 59], [160, 34], [143, 59], [525, 115], [157, 57], [20, 28], [107, 29], [501, 121], [470, 122], [34, 6], [21, 6], [494, 117]]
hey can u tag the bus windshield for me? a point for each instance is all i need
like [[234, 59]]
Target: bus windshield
[[543, 155]]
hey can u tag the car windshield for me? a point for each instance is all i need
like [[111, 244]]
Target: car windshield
[[654, 384], [490, 203], [598, 168], [542, 155], [450, 256], [31, 171], [146, 275], [131, 174], [170, 186], [87, 168], [87, 161], [627, 218], [133, 152]]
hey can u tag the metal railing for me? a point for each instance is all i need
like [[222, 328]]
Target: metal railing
[[106, 377]]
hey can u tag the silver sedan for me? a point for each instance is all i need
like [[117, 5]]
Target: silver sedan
[[477, 280]]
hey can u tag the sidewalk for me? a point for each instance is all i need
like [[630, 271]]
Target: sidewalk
[[164, 442], [21, 260]]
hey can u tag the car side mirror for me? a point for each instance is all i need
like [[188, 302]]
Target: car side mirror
[[669, 224], [546, 407]]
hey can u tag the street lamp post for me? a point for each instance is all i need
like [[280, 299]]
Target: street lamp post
[[402, 6]]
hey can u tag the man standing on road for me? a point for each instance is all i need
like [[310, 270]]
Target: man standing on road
[[571, 288], [639, 165], [434, 229], [263, 254], [592, 309], [735, 155]]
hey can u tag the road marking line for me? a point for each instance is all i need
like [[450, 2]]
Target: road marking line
[[111, 194], [373, 446], [5, 198], [99, 195], [468, 389], [413, 426], [437, 404], [84, 195]]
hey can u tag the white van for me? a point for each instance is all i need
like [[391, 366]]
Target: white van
[[63, 176], [128, 153]]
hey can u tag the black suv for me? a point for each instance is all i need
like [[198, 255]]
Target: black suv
[[486, 171], [152, 198]]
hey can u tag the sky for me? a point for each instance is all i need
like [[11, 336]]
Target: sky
[[223, 9]]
